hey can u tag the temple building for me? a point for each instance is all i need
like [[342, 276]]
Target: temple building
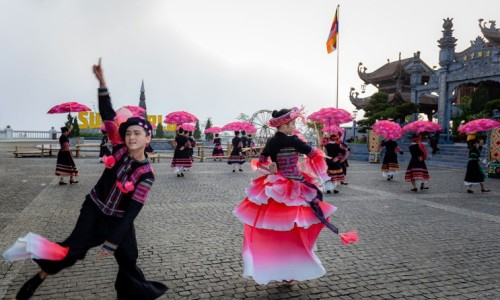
[[437, 91]]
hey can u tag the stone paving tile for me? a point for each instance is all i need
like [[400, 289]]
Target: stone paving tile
[[441, 243]]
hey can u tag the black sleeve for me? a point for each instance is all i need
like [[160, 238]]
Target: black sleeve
[[105, 106], [300, 145]]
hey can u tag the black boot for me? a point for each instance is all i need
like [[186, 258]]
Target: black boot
[[29, 288]]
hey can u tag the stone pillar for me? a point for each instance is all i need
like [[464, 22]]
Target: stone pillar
[[444, 106], [9, 132], [53, 133]]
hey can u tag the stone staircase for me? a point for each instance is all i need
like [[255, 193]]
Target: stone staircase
[[449, 156]]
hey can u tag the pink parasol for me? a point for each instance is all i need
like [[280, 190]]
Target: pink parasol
[[250, 128], [478, 125], [214, 129], [179, 117], [237, 126], [331, 115], [136, 111], [188, 127], [333, 129], [68, 107], [421, 126], [388, 129]]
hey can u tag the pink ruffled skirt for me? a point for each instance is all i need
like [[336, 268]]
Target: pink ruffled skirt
[[280, 230]]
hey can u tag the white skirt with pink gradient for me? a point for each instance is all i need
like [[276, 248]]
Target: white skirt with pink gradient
[[280, 230]]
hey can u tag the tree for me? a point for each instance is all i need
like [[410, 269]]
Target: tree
[[208, 124], [75, 132], [159, 131], [76, 129], [197, 132], [379, 108], [375, 109], [243, 117], [479, 99]]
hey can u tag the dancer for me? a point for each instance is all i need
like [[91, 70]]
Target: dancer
[[280, 228], [390, 166], [65, 163], [236, 156], [337, 155], [217, 151], [181, 159], [475, 174], [193, 144], [108, 213], [417, 170], [344, 164], [104, 150], [251, 145], [433, 142]]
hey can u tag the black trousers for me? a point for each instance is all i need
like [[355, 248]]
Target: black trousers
[[90, 231]]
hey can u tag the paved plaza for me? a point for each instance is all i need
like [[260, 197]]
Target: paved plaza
[[438, 244]]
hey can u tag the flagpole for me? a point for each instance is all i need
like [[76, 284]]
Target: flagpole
[[338, 50]]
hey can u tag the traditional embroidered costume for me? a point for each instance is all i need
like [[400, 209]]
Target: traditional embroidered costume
[[217, 151], [104, 150], [281, 212], [345, 164], [474, 173], [236, 156], [182, 159], [65, 163], [108, 213], [417, 169], [337, 154], [193, 144], [390, 166]]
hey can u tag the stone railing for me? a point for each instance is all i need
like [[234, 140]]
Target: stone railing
[[9, 134]]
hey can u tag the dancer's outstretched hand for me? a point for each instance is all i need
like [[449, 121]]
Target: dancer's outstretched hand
[[99, 74]]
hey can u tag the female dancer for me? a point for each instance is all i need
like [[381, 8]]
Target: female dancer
[[181, 159], [337, 155], [390, 165], [217, 147], [474, 174], [236, 156], [104, 150], [108, 213], [280, 228], [65, 163], [344, 163], [193, 144], [417, 170]]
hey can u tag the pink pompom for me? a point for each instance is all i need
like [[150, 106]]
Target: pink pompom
[[349, 237], [129, 186], [109, 161], [125, 188]]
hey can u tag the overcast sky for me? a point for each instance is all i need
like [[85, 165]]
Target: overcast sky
[[213, 58]]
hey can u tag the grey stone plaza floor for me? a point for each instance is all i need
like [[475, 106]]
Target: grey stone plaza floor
[[438, 244]]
